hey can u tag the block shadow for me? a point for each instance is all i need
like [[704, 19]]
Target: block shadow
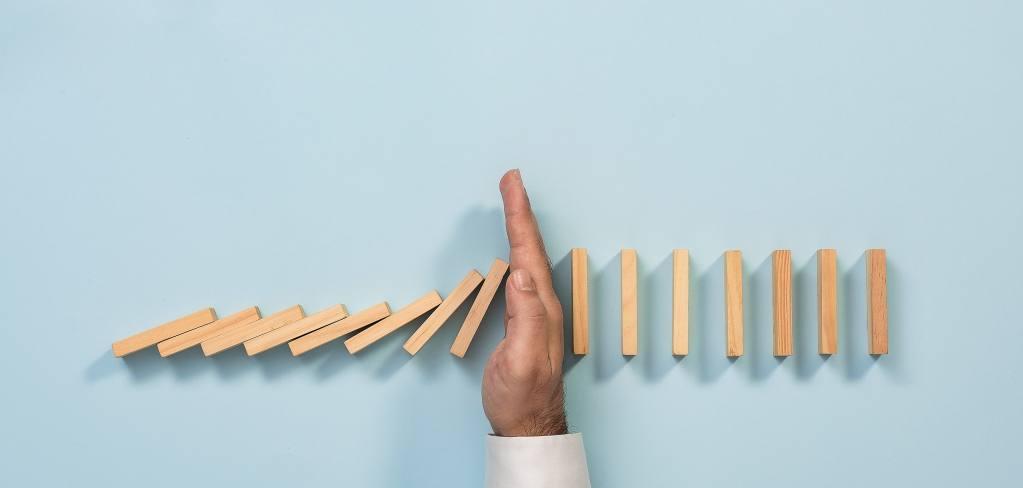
[[804, 321]]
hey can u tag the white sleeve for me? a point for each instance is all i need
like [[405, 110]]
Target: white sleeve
[[536, 462]]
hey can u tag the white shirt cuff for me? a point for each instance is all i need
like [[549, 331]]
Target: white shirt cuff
[[536, 462]]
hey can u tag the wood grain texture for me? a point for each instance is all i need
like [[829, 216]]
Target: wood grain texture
[[630, 311], [580, 303], [340, 328], [294, 330], [827, 302], [469, 284], [781, 292], [877, 302], [238, 335], [680, 302], [393, 322], [479, 308], [193, 337], [163, 332], [733, 304]]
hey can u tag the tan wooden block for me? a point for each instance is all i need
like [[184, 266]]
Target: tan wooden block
[[630, 312], [580, 303], [680, 302], [479, 308], [827, 302], [340, 328], [393, 322], [243, 333], [877, 302], [469, 284], [295, 329], [733, 303], [155, 335], [781, 287], [193, 337]]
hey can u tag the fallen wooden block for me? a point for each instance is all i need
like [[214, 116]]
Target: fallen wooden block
[[340, 328], [580, 303], [443, 312], [630, 312], [877, 302], [245, 332], [827, 302], [155, 335], [394, 321], [193, 337], [680, 302], [733, 303], [295, 329], [479, 308], [781, 287]]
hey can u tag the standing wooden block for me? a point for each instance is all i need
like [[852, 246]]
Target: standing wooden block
[[393, 322], [781, 287], [827, 302], [443, 312], [295, 329], [343, 327], [877, 301], [193, 337], [479, 308], [580, 303], [153, 336], [733, 303], [630, 312], [243, 333], [680, 302]]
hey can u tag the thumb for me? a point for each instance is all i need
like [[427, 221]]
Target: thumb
[[526, 323]]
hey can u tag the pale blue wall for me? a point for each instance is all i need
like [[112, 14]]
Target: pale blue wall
[[164, 157]]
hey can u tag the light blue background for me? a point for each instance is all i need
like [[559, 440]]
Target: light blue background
[[161, 157]]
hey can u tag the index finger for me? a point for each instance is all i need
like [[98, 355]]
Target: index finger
[[526, 244]]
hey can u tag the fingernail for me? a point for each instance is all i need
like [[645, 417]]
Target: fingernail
[[522, 280]]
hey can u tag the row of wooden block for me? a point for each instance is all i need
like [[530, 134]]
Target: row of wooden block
[[827, 302], [304, 333]]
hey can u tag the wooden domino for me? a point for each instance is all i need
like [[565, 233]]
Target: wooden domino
[[161, 333], [781, 291], [432, 324], [827, 302], [733, 303], [193, 337], [680, 302], [393, 322], [630, 312], [245, 332], [580, 303], [479, 308], [340, 328], [295, 329], [877, 302]]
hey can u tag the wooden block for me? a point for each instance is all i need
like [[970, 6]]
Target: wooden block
[[479, 307], [630, 313], [781, 287], [343, 327], [380, 329], [827, 302], [155, 335], [680, 302], [193, 337], [296, 329], [733, 303], [241, 334], [580, 303], [443, 312], [877, 301]]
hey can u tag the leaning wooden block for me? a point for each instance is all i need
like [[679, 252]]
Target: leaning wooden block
[[393, 322], [827, 302], [241, 334], [630, 312], [295, 329], [877, 302], [340, 328], [733, 303], [193, 337], [580, 303], [153, 336], [443, 312], [781, 287], [479, 308], [680, 302]]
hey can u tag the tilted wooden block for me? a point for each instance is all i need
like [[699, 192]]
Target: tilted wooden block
[[827, 302], [241, 334], [479, 307], [155, 335], [193, 337], [877, 302], [680, 302], [733, 303], [580, 303], [781, 287], [295, 329], [343, 327], [443, 312], [380, 329]]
